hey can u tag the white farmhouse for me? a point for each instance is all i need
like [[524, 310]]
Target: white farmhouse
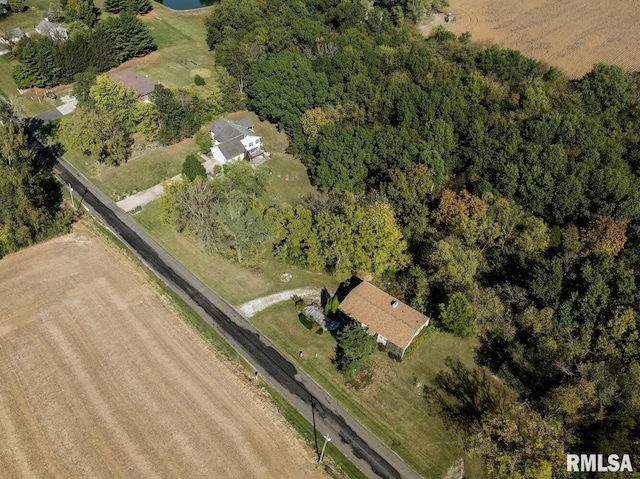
[[234, 140]]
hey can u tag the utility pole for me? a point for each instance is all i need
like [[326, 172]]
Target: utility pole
[[326, 440], [313, 415], [71, 194]]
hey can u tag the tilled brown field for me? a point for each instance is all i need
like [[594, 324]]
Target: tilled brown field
[[572, 34], [98, 378]]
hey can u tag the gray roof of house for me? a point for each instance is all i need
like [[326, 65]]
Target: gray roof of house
[[228, 134], [15, 32], [231, 149], [246, 122], [225, 129], [45, 26]]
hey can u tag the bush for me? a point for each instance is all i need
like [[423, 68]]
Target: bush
[[198, 80], [354, 348], [203, 140], [193, 168]]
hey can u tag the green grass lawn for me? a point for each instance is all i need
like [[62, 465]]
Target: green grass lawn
[[334, 459], [290, 181], [32, 102], [385, 398], [28, 19], [148, 169], [7, 85], [182, 53], [182, 48]]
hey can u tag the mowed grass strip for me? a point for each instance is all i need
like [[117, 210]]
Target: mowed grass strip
[[148, 169], [388, 398], [182, 48]]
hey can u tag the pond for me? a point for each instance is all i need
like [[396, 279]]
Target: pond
[[186, 4]]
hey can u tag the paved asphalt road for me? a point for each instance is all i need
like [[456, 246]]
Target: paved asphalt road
[[362, 447]]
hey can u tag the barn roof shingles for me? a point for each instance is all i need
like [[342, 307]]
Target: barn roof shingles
[[374, 308], [141, 85]]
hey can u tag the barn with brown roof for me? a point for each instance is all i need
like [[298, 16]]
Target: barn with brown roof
[[394, 323]]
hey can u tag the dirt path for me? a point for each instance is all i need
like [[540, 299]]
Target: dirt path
[[100, 379], [253, 307]]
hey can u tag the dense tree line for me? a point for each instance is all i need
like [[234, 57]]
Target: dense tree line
[[29, 197], [45, 62], [515, 189], [225, 213], [139, 7]]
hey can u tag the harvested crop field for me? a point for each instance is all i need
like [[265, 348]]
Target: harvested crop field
[[100, 378], [572, 35]]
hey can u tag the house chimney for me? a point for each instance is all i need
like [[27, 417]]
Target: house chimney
[[394, 304]]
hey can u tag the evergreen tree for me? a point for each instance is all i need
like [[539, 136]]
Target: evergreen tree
[[176, 116], [38, 66], [192, 168], [17, 6], [54, 13], [129, 37], [354, 348], [138, 7]]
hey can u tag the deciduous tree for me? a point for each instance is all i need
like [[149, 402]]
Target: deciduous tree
[[116, 99], [606, 235], [458, 317], [294, 240], [82, 10], [520, 443], [97, 135]]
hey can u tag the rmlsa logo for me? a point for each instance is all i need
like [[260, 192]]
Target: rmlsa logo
[[596, 463]]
